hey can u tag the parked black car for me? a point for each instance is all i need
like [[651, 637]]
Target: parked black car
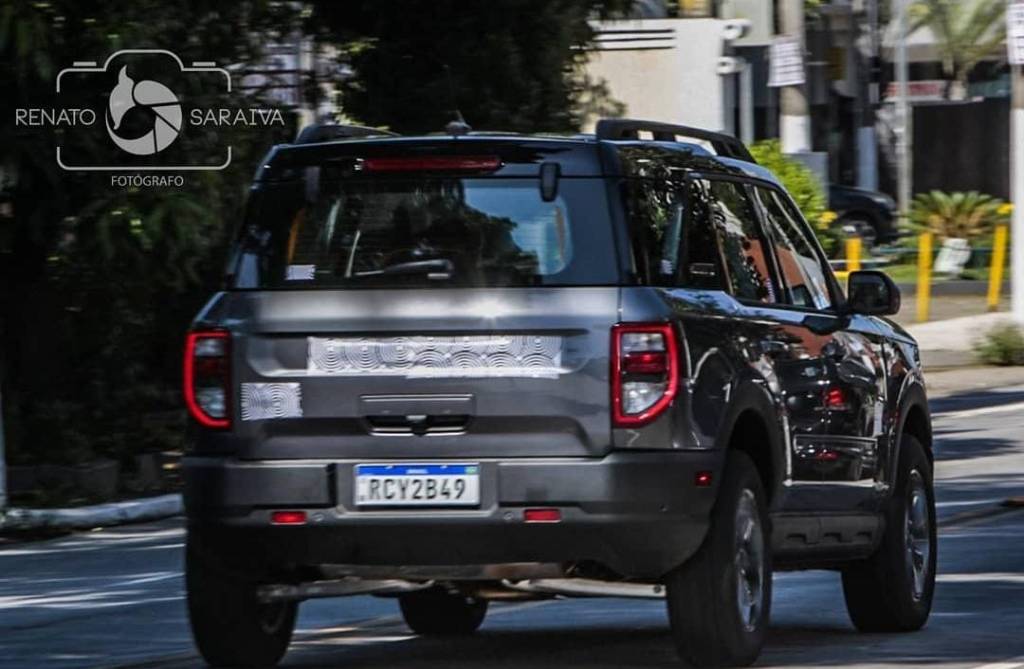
[[869, 214], [451, 369]]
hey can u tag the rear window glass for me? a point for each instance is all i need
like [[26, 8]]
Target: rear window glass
[[426, 232]]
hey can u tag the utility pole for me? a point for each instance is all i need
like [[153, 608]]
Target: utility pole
[[867, 144], [904, 128], [794, 120], [1017, 192], [1015, 49]]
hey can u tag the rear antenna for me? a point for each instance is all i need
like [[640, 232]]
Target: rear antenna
[[458, 125]]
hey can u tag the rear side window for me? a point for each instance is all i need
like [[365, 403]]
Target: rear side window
[[743, 251], [801, 269], [655, 210], [672, 240], [427, 232]]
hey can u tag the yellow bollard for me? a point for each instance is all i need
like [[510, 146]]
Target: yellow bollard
[[853, 248], [924, 275], [995, 274]]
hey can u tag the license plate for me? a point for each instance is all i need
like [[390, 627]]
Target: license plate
[[417, 485]]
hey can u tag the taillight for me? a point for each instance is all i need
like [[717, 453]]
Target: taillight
[[207, 377], [835, 399], [644, 372]]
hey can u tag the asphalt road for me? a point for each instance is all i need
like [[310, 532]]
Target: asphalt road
[[113, 598]]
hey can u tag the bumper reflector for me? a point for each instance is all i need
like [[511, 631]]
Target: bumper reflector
[[288, 518], [542, 515]]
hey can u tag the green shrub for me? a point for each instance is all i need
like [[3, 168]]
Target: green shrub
[[1002, 345], [967, 215], [803, 186]]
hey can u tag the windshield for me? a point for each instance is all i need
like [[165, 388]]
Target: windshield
[[426, 232]]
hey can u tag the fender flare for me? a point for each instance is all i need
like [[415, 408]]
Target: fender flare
[[752, 396], [912, 396]]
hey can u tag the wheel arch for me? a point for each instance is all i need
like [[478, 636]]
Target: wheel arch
[[751, 425], [914, 419]]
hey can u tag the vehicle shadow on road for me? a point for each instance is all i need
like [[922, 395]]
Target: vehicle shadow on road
[[975, 399], [795, 640], [948, 447]]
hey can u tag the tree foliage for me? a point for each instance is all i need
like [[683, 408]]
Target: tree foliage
[[966, 33], [513, 65], [97, 283]]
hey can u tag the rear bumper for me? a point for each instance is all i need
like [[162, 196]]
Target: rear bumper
[[639, 514]]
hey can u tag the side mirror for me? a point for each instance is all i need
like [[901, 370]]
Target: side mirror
[[872, 293]]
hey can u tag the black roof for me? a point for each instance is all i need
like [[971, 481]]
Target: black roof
[[619, 147]]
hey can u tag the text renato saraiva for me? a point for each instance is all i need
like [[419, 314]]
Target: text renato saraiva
[[254, 116]]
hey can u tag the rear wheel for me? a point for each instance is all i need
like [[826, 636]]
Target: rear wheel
[[231, 627], [719, 600], [892, 590], [436, 611]]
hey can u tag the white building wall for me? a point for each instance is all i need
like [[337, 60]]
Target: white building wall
[[663, 69]]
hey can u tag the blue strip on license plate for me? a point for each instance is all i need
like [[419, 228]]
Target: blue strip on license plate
[[417, 470]]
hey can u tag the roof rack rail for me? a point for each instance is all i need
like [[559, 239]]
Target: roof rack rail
[[327, 132], [625, 128]]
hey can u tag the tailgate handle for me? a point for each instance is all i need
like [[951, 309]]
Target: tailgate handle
[[417, 414], [396, 406]]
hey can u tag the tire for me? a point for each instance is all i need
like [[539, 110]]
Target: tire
[[717, 613], [437, 612], [892, 590], [230, 626]]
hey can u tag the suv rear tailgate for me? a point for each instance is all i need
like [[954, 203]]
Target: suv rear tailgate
[[421, 373]]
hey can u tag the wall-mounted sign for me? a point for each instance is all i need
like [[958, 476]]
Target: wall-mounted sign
[[1015, 32], [787, 62]]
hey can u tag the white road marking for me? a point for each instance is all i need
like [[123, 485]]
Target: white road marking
[[981, 411], [1008, 664], [89, 596], [971, 502], [1003, 577]]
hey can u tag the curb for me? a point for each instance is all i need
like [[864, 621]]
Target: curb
[[88, 517], [958, 287]]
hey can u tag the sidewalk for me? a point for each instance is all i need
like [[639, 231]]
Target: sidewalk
[[88, 517], [961, 380], [950, 342]]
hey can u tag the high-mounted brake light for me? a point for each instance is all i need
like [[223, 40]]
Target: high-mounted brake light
[[644, 372], [207, 377], [432, 164]]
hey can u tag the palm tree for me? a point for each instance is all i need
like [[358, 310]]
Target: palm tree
[[966, 33]]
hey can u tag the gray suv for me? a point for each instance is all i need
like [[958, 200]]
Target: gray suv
[[470, 367]]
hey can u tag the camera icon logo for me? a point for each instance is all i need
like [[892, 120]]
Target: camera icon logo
[[158, 114], [160, 104], [147, 99]]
